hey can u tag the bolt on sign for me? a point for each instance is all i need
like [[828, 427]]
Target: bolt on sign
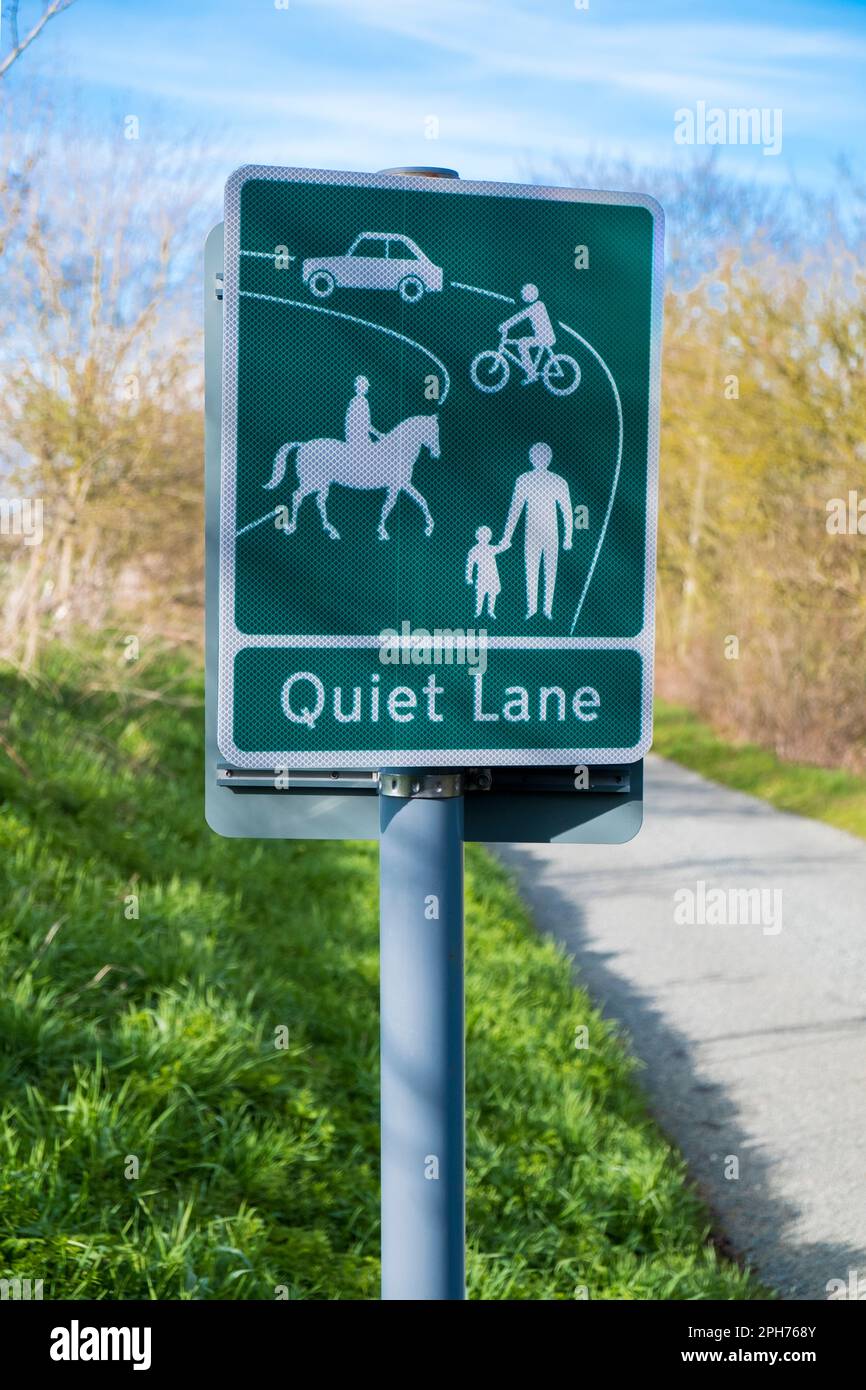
[[439, 471]]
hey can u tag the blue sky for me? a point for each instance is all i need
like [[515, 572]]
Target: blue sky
[[514, 84]]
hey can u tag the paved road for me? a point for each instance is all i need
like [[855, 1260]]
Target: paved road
[[753, 1040]]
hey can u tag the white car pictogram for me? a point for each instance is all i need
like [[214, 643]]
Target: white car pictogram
[[375, 261]]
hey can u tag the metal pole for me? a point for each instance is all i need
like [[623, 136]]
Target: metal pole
[[422, 1035], [422, 1026]]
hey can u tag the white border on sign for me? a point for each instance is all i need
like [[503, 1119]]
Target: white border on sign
[[232, 640]]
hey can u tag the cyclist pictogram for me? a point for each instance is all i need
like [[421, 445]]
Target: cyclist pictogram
[[491, 368]]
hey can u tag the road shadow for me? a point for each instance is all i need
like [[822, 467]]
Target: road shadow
[[751, 1221]]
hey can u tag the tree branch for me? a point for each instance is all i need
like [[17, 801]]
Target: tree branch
[[55, 7], [12, 15]]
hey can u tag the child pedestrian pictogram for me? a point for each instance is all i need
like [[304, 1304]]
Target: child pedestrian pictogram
[[483, 571]]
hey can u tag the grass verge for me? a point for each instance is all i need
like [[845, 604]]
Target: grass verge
[[189, 1049], [837, 797]]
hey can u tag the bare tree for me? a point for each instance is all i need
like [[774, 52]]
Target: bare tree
[[19, 45], [99, 393]]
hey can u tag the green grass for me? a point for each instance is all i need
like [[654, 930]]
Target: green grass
[[152, 1039], [826, 794]]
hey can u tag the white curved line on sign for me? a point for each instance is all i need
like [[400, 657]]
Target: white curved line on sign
[[609, 374], [351, 318], [267, 517], [271, 255], [455, 284]]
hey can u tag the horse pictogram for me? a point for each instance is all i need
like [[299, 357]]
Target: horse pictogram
[[386, 463]]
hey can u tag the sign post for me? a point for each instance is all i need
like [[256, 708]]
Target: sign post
[[437, 512], [422, 1035]]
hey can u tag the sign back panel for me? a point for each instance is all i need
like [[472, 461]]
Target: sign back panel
[[439, 472]]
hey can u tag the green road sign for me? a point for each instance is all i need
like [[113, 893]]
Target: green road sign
[[439, 472]]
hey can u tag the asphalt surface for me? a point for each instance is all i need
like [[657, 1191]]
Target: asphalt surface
[[752, 1039]]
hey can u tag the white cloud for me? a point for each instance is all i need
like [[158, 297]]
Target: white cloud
[[515, 83], [731, 63]]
